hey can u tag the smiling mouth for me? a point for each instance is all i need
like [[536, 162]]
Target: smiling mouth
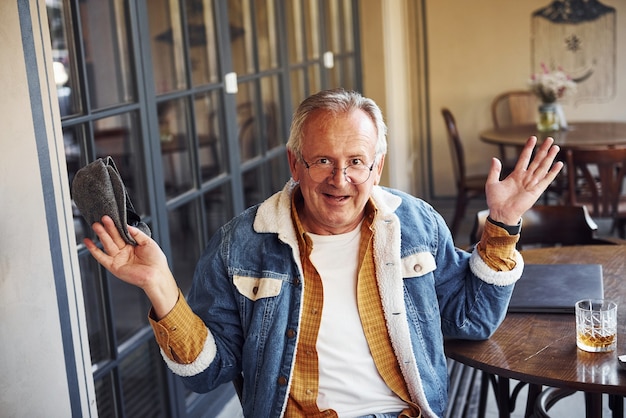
[[339, 198]]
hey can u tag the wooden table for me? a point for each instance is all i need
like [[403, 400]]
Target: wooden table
[[540, 349], [578, 135]]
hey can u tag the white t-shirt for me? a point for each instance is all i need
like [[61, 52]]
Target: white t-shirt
[[349, 382]]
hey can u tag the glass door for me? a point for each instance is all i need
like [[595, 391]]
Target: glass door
[[193, 100]]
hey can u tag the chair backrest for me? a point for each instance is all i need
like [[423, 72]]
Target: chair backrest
[[456, 148], [516, 107], [549, 226], [596, 177]]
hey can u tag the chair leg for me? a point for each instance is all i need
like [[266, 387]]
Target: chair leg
[[484, 389], [547, 398], [459, 212], [616, 403]]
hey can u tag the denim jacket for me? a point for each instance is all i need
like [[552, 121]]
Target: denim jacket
[[248, 289]]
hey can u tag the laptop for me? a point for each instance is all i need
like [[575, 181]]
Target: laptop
[[555, 288]]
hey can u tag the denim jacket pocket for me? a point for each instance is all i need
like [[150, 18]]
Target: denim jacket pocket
[[255, 288], [418, 264]]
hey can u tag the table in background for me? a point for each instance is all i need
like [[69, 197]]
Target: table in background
[[578, 135], [540, 349]]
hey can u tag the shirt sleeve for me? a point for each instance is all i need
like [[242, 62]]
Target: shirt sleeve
[[181, 333], [497, 247]]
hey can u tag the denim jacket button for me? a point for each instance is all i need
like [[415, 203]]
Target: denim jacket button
[[291, 333], [417, 268], [255, 290], [282, 380]]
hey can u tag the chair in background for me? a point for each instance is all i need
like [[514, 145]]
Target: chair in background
[[512, 108], [467, 186], [544, 226], [550, 226], [596, 180]]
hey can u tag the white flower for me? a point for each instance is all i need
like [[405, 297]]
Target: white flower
[[550, 86]]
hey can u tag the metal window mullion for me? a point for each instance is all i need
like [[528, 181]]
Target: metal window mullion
[[229, 114]]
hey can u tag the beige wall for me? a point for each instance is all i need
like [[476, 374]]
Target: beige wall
[[480, 48], [37, 246]]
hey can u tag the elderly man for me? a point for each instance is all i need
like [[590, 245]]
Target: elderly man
[[333, 297]]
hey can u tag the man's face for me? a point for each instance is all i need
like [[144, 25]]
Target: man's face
[[334, 205]]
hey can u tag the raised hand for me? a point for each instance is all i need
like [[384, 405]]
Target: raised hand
[[143, 265], [509, 198]]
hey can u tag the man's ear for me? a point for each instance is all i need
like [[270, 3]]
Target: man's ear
[[292, 158], [379, 169]]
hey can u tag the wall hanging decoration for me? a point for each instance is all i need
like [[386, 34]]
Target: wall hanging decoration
[[579, 37]]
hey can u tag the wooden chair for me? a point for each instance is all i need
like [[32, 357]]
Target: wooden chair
[[596, 180], [512, 108], [468, 186], [545, 226], [550, 226]]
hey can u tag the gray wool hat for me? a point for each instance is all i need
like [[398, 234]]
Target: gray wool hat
[[98, 190]]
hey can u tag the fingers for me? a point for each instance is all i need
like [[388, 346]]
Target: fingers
[[544, 157], [526, 154], [112, 234], [99, 255], [138, 235], [495, 170]]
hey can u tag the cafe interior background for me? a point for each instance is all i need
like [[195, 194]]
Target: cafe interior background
[[416, 57]]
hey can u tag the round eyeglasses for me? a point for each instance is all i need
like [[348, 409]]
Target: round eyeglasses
[[357, 172]]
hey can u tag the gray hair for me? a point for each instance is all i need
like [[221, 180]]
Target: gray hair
[[336, 101]]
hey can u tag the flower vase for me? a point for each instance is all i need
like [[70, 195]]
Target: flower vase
[[560, 115], [548, 118]]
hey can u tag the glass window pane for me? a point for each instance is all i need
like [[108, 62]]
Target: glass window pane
[[185, 239], [253, 186], [175, 147], [349, 80], [119, 137], [211, 141], [339, 26], [168, 54], [278, 167], [295, 32], [94, 312], [272, 111], [143, 383], [333, 26], [74, 139], [130, 308], [248, 122], [218, 208], [267, 43], [241, 36], [315, 79], [64, 56], [202, 42], [107, 54], [335, 75], [342, 74], [298, 87], [347, 26], [105, 396], [312, 23]]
